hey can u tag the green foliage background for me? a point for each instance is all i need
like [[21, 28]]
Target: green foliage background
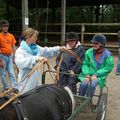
[[78, 14]]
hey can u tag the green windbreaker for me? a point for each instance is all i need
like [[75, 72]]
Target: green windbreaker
[[89, 67]]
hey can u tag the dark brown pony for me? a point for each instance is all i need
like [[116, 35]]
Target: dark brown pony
[[47, 102]]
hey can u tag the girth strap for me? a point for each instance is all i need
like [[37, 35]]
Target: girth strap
[[21, 112], [17, 104]]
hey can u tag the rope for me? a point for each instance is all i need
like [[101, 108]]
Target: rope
[[50, 69], [9, 101], [18, 94], [61, 58], [58, 68], [36, 67], [73, 54], [30, 73], [27, 76]]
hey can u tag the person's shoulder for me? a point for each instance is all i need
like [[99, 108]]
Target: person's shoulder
[[80, 46], [107, 52], [89, 50], [10, 34], [19, 50]]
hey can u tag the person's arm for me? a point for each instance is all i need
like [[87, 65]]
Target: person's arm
[[13, 50], [13, 45], [49, 52], [109, 63], [25, 61], [57, 61]]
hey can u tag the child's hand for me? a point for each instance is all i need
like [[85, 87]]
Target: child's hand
[[71, 73], [93, 77], [87, 79]]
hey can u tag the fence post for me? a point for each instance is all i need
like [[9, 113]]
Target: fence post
[[82, 33]]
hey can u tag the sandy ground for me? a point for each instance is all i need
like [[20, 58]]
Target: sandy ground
[[113, 84]]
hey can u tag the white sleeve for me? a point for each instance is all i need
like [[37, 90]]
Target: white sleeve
[[49, 51], [24, 60]]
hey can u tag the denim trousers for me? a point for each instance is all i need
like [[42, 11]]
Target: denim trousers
[[87, 88], [8, 67], [118, 65]]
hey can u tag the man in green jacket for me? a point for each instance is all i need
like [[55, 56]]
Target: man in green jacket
[[98, 63]]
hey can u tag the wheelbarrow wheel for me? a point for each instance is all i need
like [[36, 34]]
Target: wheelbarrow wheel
[[102, 106]]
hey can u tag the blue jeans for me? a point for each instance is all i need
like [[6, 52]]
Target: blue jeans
[[87, 89], [8, 67], [118, 65]]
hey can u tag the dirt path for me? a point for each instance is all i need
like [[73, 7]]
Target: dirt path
[[113, 83]]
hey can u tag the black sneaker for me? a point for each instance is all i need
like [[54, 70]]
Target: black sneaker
[[15, 90]]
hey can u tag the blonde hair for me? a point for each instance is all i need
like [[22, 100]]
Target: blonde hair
[[29, 32]]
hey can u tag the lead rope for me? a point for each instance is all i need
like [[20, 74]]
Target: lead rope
[[18, 94], [58, 68], [50, 69], [36, 67], [27, 76], [61, 58], [74, 55]]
